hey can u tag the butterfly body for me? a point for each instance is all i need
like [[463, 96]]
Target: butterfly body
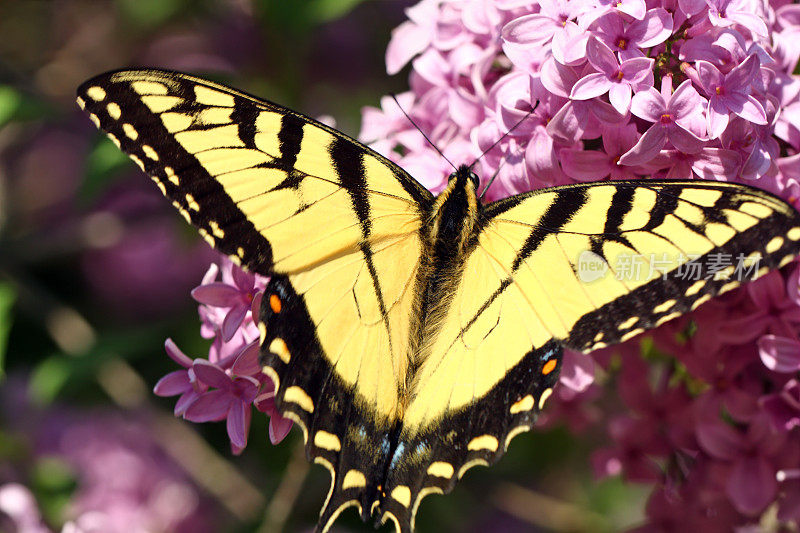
[[411, 337]]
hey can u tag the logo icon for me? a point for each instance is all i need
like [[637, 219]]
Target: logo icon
[[591, 266]]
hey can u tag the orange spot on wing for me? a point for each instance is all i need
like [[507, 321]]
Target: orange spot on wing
[[275, 303], [549, 366]]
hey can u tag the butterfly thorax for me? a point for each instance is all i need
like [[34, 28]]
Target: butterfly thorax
[[448, 238]]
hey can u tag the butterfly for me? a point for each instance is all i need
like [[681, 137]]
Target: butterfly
[[412, 336]]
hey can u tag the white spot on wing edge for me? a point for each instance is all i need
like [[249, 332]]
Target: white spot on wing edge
[[469, 464], [130, 131], [338, 511], [96, 93], [114, 110], [150, 152]]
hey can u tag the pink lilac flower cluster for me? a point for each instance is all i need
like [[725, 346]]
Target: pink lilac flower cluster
[[630, 89], [585, 90], [226, 384]]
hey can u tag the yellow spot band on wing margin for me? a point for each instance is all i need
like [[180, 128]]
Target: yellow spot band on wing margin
[[441, 469], [327, 441], [484, 442], [300, 397]]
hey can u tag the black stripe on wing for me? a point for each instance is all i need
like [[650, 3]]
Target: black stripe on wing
[[199, 197]]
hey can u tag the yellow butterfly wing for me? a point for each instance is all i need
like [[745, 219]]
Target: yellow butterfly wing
[[335, 225], [496, 356]]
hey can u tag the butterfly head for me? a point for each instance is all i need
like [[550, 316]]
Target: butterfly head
[[464, 175]]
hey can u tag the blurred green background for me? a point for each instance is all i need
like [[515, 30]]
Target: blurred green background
[[96, 269]]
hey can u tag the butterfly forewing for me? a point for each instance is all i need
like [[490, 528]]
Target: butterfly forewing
[[605, 262]]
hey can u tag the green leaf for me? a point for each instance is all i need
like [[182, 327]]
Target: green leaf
[[7, 297], [328, 10], [10, 101], [49, 378]]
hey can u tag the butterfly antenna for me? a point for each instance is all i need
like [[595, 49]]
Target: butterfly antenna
[[491, 180], [411, 120], [520, 121]]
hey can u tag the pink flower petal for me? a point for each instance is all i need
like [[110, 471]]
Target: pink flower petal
[[408, 40], [265, 402], [601, 57], [529, 29], [649, 105], [569, 123], [238, 424], [184, 402], [246, 363], [620, 97], [279, 427], [719, 440], [690, 7], [217, 294], [176, 354], [779, 354], [212, 375], [211, 406], [683, 140], [173, 383], [751, 485], [637, 71], [685, 102], [717, 121], [751, 21], [654, 28], [233, 319], [749, 109], [590, 86], [634, 8], [577, 371], [743, 74], [716, 163], [648, 146], [584, 165]]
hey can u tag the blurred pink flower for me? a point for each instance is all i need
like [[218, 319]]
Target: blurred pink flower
[[751, 483], [783, 407]]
